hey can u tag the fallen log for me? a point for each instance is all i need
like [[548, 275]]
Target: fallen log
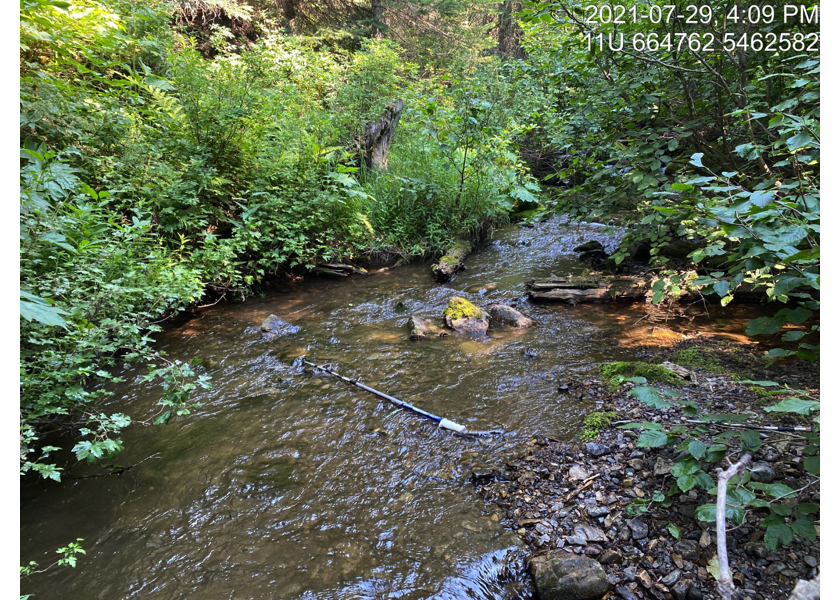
[[575, 290], [336, 270], [607, 288]]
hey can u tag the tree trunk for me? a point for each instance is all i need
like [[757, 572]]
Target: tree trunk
[[510, 33], [378, 136], [378, 24]]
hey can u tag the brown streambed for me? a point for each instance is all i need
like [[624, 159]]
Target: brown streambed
[[288, 485]]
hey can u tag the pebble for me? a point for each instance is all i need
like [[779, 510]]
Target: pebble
[[644, 577], [687, 548], [610, 557], [672, 577], [663, 466], [590, 533], [638, 529], [680, 589], [625, 593], [597, 449], [577, 472], [597, 511], [762, 472], [575, 540]]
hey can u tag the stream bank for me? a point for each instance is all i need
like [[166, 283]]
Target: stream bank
[[596, 497]]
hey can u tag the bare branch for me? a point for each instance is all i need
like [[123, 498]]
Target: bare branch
[[725, 587]]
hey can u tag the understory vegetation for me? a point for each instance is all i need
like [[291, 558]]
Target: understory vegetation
[[174, 152]]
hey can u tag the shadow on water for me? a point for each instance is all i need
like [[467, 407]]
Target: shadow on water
[[286, 484]]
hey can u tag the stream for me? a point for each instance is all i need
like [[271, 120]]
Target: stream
[[289, 484]]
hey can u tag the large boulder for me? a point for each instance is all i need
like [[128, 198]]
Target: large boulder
[[508, 315], [560, 575], [465, 317], [274, 326]]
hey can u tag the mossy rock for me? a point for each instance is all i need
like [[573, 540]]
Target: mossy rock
[[615, 373], [453, 261], [697, 358], [461, 308], [595, 422], [465, 317]]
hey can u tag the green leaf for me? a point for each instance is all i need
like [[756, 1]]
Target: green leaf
[[800, 140], [685, 467], [776, 534], [35, 308], [697, 449], [812, 465], [163, 418], [652, 439], [794, 405], [778, 490], [697, 159], [674, 531], [715, 452], [792, 336], [649, 396], [706, 513], [765, 325], [804, 527], [807, 508], [713, 567], [687, 482], [682, 187], [721, 288]]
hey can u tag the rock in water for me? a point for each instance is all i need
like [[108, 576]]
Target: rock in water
[[465, 317], [560, 575], [452, 262], [589, 246], [508, 315], [417, 328], [274, 326]]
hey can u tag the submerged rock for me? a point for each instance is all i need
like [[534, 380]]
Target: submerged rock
[[274, 326], [508, 315], [465, 317], [560, 575], [589, 246], [417, 328]]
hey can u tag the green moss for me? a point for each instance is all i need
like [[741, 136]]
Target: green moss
[[595, 422], [764, 395], [616, 373], [695, 358], [461, 308]]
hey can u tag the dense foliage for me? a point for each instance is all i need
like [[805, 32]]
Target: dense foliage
[[158, 166], [715, 145]]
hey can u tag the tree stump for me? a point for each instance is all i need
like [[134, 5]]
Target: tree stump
[[378, 136]]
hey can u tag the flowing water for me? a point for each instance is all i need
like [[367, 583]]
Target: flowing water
[[289, 484]]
